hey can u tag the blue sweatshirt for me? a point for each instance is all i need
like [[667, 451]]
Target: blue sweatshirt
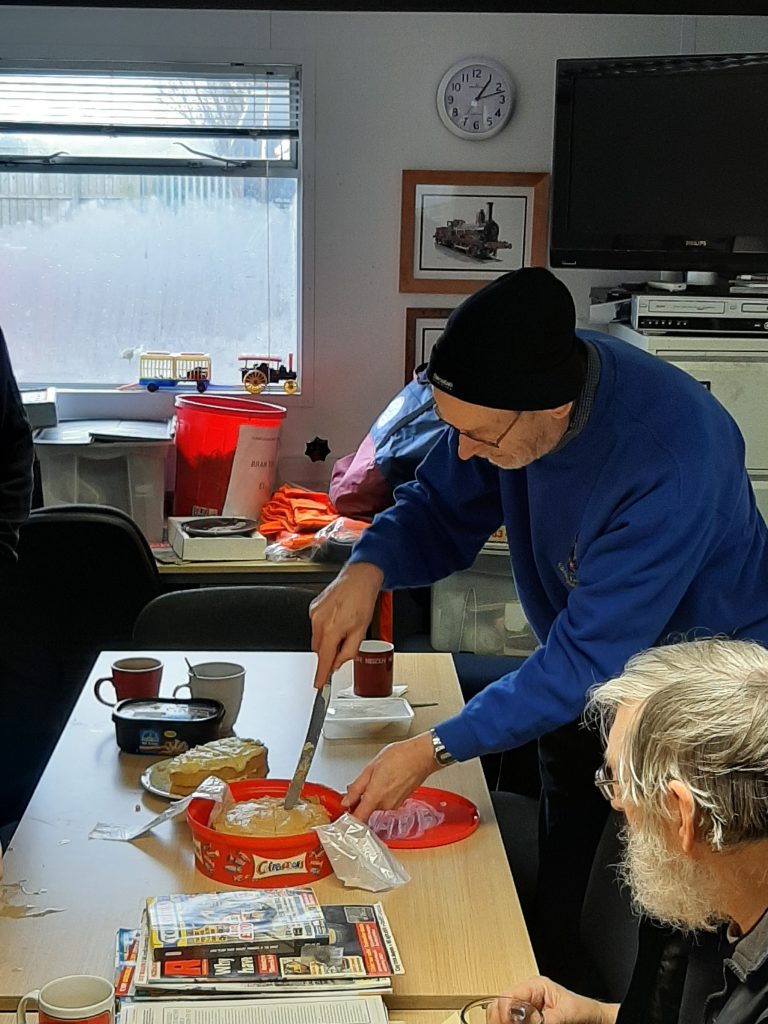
[[641, 529]]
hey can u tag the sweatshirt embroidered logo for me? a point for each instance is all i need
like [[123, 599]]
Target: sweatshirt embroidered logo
[[570, 569]]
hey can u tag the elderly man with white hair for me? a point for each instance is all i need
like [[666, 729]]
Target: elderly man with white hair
[[686, 762]]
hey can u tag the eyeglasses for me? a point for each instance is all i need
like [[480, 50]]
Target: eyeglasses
[[605, 782], [483, 441], [509, 1010]]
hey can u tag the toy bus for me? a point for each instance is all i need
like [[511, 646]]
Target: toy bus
[[258, 371], [167, 369]]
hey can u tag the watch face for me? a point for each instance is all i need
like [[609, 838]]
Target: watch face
[[476, 98]]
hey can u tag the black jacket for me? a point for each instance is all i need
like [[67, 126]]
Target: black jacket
[[15, 462], [656, 991]]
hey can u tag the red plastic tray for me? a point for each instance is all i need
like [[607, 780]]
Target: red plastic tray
[[461, 819]]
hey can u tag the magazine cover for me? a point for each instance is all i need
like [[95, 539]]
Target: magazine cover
[[188, 926], [361, 940]]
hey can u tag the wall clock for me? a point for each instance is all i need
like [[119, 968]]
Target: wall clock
[[476, 97]]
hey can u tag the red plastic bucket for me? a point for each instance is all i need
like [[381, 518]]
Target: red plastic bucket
[[261, 863], [208, 430]]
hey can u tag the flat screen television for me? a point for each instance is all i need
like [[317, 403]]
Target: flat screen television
[[661, 163]]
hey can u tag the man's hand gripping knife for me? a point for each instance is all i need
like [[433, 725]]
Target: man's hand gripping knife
[[341, 615]]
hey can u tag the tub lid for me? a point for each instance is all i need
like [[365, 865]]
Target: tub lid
[[157, 709]]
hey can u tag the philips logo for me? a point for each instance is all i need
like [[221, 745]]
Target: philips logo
[[696, 243]]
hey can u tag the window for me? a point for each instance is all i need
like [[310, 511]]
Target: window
[[149, 210]]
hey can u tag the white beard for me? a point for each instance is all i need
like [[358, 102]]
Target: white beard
[[668, 885]]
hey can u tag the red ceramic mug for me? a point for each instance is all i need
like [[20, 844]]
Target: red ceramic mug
[[372, 671], [77, 999], [132, 677]]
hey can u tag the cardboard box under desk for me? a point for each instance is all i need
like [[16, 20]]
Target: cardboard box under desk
[[213, 549]]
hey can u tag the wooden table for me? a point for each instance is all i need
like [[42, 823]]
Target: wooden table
[[179, 575], [458, 923]]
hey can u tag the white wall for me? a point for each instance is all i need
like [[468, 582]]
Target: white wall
[[375, 77]]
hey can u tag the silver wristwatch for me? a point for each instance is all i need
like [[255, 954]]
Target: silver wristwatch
[[440, 752]]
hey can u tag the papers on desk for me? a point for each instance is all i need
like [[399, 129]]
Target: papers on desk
[[352, 1010], [90, 431]]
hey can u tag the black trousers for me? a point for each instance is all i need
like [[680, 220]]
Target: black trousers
[[572, 815]]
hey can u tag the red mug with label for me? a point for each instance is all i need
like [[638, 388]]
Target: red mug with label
[[372, 671], [132, 677], [77, 999]]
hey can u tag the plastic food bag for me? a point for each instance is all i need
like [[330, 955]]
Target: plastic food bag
[[209, 789], [358, 858], [331, 543], [410, 821]]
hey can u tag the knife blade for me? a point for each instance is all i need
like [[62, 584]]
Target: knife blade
[[316, 720]]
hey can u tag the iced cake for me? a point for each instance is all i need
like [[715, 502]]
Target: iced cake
[[229, 758], [266, 818]]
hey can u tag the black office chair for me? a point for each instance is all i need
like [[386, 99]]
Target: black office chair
[[258, 618], [608, 927], [84, 573]]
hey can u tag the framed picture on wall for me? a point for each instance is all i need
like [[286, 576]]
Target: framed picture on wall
[[461, 229], [423, 326]]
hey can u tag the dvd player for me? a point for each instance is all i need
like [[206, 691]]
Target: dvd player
[[688, 314]]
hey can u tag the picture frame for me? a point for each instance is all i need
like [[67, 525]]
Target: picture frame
[[423, 326], [461, 229]]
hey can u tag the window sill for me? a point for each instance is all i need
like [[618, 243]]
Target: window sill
[[98, 402]]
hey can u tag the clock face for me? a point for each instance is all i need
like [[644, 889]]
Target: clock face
[[476, 98]]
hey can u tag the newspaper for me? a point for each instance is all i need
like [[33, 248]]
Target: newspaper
[[348, 1010]]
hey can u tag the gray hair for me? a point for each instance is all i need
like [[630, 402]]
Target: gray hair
[[703, 720]]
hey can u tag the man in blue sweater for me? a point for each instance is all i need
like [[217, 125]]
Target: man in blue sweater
[[630, 520]]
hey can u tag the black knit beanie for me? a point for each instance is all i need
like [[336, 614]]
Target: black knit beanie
[[511, 345]]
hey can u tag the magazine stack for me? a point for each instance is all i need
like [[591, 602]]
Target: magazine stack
[[255, 943]]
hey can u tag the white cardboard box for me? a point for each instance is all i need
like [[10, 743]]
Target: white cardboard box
[[213, 549]]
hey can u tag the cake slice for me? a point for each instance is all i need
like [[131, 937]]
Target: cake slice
[[229, 758]]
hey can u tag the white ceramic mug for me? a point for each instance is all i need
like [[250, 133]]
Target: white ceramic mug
[[218, 680], [76, 999]]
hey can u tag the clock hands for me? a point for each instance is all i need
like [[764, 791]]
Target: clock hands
[[499, 92], [482, 91]]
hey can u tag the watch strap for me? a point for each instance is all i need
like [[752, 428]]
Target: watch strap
[[440, 752]]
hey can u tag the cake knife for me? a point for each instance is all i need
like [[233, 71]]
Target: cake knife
[[316, 720]]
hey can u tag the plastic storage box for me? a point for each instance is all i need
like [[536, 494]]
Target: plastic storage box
[[477, 610], [363, 717], [129, 475]]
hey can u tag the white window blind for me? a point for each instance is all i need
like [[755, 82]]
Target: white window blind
[[231, 120], [149, 209]]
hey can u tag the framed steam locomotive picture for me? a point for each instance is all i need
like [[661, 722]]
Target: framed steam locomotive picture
[[461, 229]]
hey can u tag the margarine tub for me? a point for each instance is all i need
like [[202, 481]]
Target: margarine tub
[[165, 726]]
